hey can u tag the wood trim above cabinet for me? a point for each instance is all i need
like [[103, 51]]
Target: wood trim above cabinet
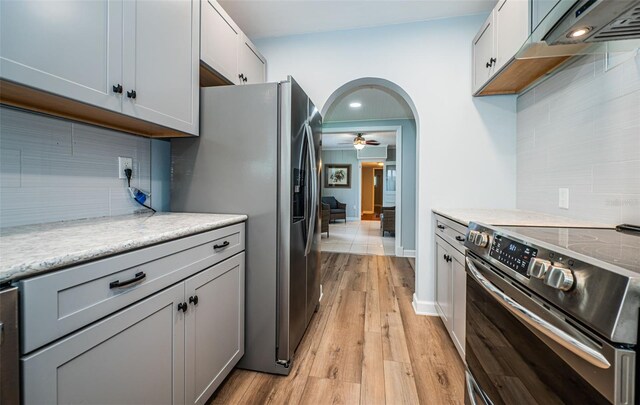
[[31, 99]]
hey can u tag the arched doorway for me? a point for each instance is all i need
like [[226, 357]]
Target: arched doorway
[[377, 126]]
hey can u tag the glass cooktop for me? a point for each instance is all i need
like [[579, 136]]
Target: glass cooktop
[[608, 245]]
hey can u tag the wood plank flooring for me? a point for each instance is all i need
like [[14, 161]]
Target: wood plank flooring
[[364, 346]]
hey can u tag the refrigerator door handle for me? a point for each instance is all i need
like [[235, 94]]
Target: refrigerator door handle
[[314, 187]]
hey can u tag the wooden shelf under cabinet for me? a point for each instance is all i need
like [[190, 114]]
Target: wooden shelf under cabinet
[[20, 96], [520, 74]]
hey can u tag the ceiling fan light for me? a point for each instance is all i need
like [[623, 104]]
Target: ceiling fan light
[[358, 146]]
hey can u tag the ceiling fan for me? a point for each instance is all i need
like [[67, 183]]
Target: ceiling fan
[[359, 142]]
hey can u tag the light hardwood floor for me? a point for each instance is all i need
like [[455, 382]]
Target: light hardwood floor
[[364, 346]]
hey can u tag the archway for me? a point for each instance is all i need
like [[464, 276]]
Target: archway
[[391, 87]]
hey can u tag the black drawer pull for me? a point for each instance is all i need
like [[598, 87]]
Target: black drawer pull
[[460, 238], [224, 245], [118, 284], [193, 300], [440, 226], [131, 94], [182, 306]]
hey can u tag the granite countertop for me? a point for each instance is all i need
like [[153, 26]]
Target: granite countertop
[[515, 218], [32, 249]]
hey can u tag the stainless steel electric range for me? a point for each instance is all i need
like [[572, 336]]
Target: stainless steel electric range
[[552, 315]]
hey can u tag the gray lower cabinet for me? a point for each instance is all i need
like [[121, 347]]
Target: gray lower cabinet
[[451, 278], [214, 327], [173, 347]]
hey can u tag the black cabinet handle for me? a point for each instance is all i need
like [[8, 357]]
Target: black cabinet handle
[[131, 94], [136, 279], [224, 245], [488, 65], [492, 61], [441, 227], [241, 77], [182, 307], [193, 300], [460, 238], [117, 88], [245, 79]]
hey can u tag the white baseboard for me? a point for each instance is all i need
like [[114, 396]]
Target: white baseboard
[[353, 219], [424, 307], [402, 252], [409, 253]]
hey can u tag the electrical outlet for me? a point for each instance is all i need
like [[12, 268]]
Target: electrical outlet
[[124, 163], [563, 198]]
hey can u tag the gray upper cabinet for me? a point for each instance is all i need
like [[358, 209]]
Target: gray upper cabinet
[[108, 363], [220, 41], [226, 50], [539, 10], [136, 57], [251, 63], [511, 29], [161, 59], [80, 59], [484, 53]]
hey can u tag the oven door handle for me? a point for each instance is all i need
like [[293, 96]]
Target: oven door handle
[[554, 333], [472, 388]]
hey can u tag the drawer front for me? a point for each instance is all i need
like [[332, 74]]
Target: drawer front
[[452, 232], [56, 304]]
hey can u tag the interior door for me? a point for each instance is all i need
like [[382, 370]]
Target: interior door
[[299, 224], [377, 191]]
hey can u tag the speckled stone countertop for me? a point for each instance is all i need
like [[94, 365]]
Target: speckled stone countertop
[[515, 218], [32, 249]]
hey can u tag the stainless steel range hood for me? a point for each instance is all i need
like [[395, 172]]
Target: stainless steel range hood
[[597, 21], [585, 27]]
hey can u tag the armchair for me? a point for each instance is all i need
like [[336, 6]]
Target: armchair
[[388, 220], [325, 218], [337, 209]]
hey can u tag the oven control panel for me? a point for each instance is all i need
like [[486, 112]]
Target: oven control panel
[[512, 254]]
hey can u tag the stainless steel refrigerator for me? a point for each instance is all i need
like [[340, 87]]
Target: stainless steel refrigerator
[[258, 154]]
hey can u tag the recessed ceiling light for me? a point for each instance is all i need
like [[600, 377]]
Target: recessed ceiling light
[[355, 104], [578, 32]]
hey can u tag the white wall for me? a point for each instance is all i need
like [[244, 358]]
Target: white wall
[[347, 196], [580, 130], [466, 146]]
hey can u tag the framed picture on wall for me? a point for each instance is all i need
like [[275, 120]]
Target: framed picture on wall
[[337, 175]]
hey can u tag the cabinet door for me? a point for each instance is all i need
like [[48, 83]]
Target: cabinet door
[[443, 282], [161, 62], [72, 48], [539, 10], [512, 29], [220, 41], [459, 287], [214, 337], [483, 52], [135, 356], [251, 64]]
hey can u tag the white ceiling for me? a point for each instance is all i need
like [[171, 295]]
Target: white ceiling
[[345, 140], [378, 103], [273, 18]]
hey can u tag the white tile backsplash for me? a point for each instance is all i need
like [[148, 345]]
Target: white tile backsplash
[[53, 169], [580, 129]]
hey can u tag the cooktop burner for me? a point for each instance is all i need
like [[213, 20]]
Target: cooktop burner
[[608, 245]]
